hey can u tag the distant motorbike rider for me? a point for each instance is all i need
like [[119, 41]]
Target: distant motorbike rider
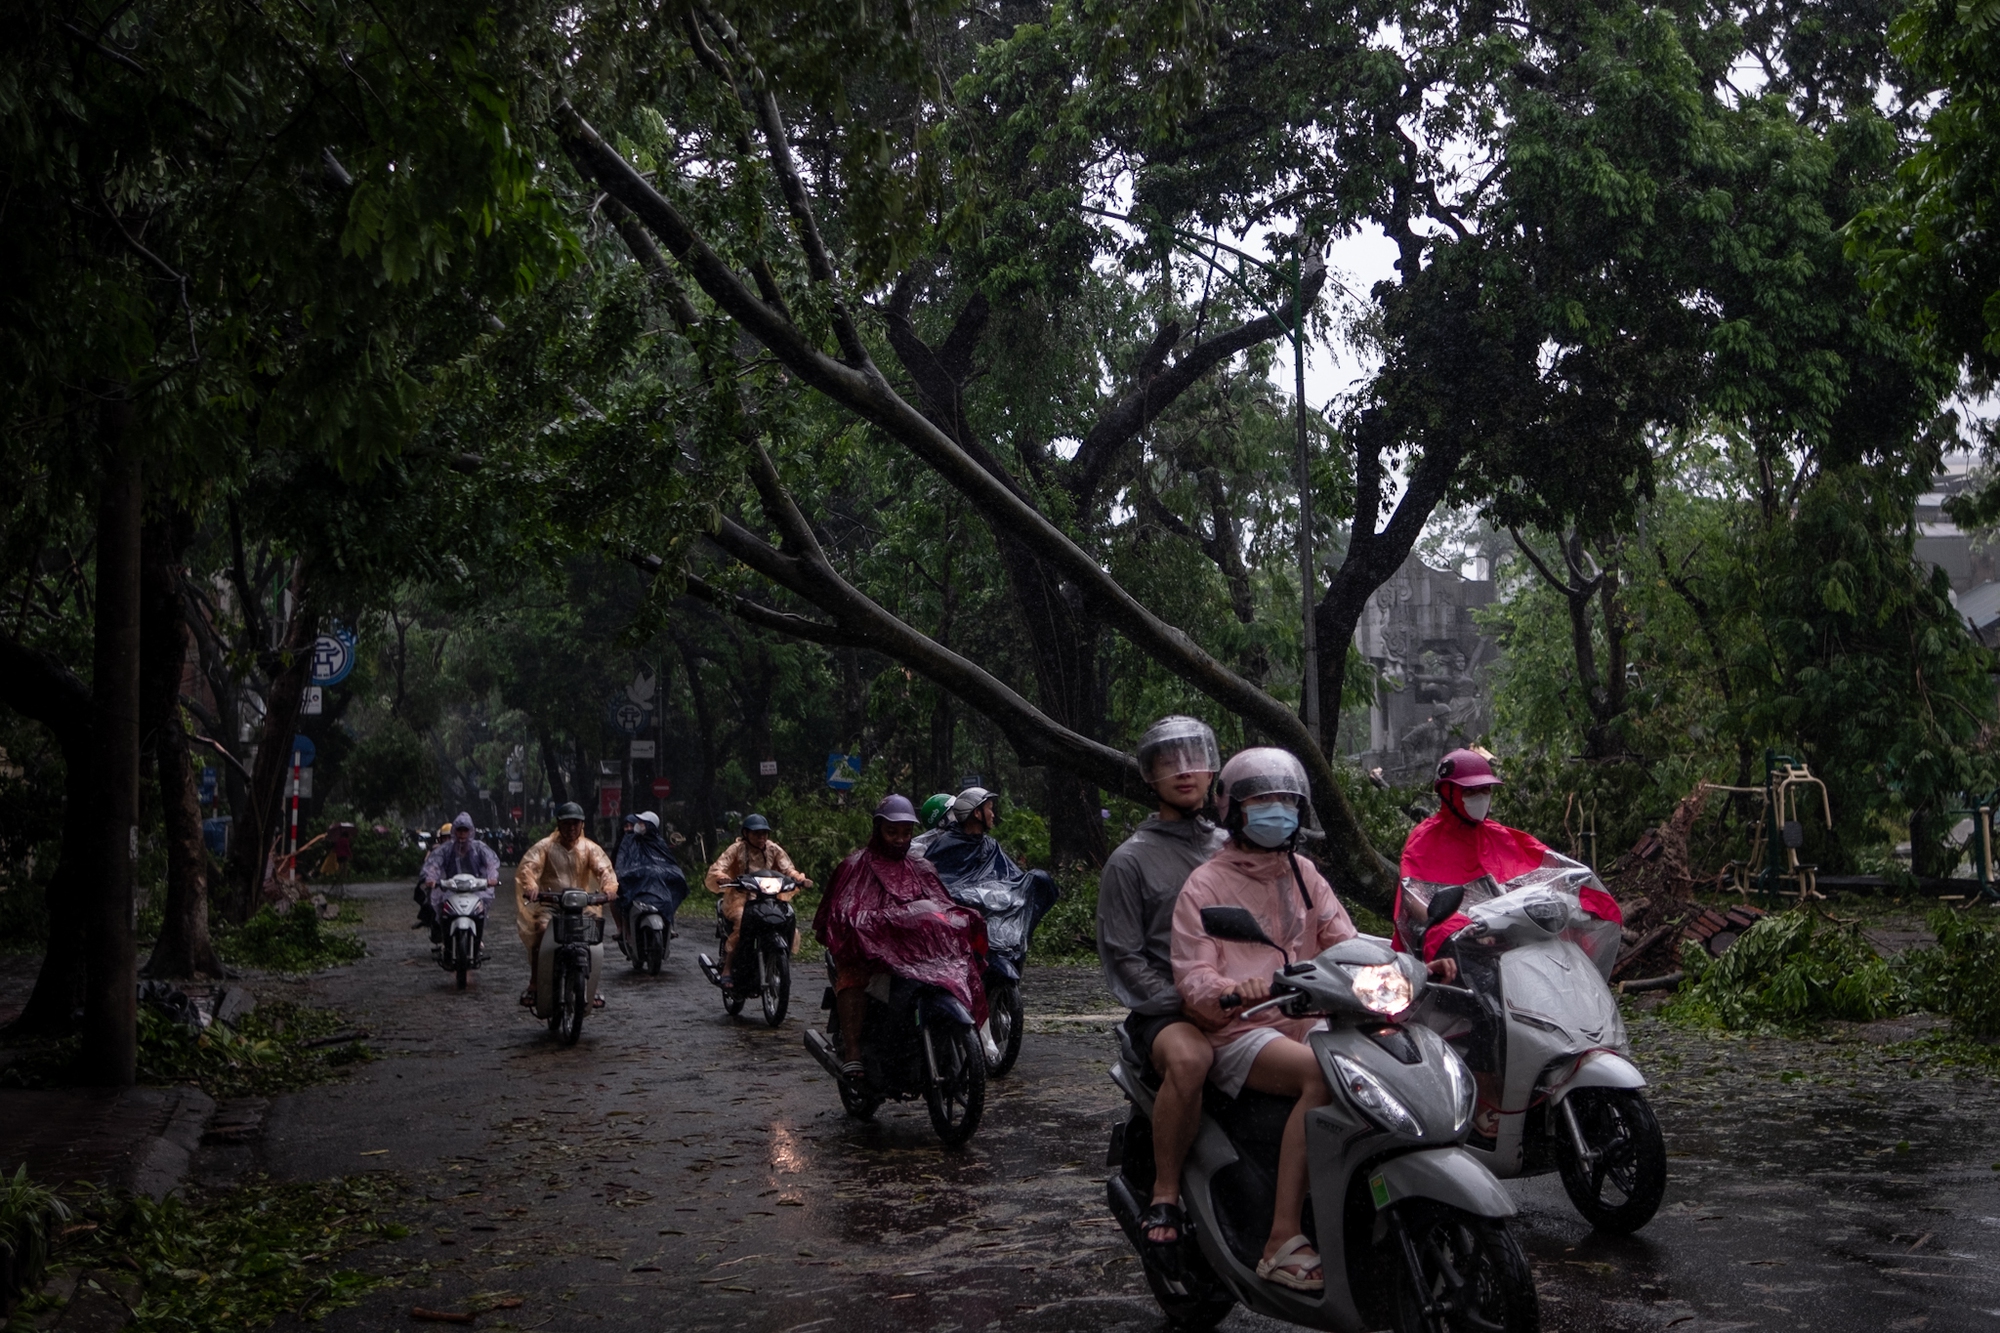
[[1136, 891], [886, 913], [933, 815], [563, 860], [753, 850], [1460, 844], [645, 864], [459, 854], [964, 852]]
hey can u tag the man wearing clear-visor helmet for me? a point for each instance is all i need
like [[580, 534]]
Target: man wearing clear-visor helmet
[[1136, 892]]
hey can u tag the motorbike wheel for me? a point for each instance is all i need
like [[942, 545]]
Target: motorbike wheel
[[1620, 1191], [656, 951], [634, 946], [464, 964], [1461, 1272], [574, 1002], [774, 972], [733, 1001], [1003, 1021], [957, 1096]]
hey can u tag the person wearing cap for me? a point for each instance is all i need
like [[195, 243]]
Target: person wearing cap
[[868, 931], [1462, 845], [753, 850], [1136, 890], [565, 859], [460, 854], [645, 863]]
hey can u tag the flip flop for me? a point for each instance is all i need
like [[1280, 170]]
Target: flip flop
[[1289, 1267], [1163, 1256]]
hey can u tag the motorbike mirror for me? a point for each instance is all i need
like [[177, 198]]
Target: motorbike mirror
[[1235, 923], [1444, 904]]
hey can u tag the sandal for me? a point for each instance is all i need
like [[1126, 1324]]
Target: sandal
[[528, 998], [854, 1072], [1291, 1264], [1163, 1256]]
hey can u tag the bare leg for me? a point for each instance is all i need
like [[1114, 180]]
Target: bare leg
[[1287, 1068], [852, 1006], [1183, 1056]]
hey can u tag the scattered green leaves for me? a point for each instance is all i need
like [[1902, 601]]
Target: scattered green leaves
[[293, 942], [276, 1048], [251, 1255]]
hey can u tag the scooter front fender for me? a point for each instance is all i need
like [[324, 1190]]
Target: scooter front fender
[[1594, 1069], [1444, 1175]]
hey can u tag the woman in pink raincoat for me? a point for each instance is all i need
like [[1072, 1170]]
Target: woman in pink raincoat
[[1262, 793]]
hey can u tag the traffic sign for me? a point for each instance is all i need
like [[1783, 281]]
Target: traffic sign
[[643, 749], [843, 771], [312, 703], [333, 657], [609, 799], [627, 716], [303, 747], [663, 787], [767, 768]]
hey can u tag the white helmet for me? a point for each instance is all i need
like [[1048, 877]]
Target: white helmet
[[1263, 770], [969, 800], [1176, 745]]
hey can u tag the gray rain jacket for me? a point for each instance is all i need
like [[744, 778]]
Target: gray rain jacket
[[1135, 908]]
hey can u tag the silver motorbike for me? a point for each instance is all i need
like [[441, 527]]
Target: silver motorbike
[[462, 923], [1411, 1228], [1535, 1016]]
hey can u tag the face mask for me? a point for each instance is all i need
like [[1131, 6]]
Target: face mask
[[1476, 805], [1270, 825]]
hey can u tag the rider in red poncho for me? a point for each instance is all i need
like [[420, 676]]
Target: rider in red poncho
[[887, 912], [1460, 845]]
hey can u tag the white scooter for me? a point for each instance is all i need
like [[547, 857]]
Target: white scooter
[[1412, 1230], [1534, 1014], [462, 918]]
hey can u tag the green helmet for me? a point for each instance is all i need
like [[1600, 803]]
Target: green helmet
[[934, 809]]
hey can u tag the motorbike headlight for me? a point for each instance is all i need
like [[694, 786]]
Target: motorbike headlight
[[1549, 914], [1374, 1100], [1382, 988], [1463, 1090]]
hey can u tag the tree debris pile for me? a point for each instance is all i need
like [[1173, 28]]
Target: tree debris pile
[[1795, 968]]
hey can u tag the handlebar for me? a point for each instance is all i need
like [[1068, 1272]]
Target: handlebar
[[592, 899]]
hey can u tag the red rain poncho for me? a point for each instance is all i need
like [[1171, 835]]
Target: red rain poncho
[[893, 912], [1448, 849]]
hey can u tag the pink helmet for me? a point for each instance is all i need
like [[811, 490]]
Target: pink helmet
[[1468, 769], [1263, 770]]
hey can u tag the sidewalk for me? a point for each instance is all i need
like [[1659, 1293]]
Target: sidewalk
[[137, 1139]]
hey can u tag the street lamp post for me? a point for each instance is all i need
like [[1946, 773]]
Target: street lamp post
[[1201, 247]]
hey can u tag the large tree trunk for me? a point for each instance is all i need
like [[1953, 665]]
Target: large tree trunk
[[38, 687], [558, 785], [1065, 648], [265, 797], [184, 948], [111, 966], [705, 811]]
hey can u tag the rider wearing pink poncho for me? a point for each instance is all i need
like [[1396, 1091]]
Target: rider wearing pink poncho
[[886, 911], [1460, 845]]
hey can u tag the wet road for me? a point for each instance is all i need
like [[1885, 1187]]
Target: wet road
[[682, 1170]]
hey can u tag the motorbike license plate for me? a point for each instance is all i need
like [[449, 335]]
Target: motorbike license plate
[[1378, 1188]]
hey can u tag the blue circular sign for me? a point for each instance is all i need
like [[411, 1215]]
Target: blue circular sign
[[333, 657], [303, 747]]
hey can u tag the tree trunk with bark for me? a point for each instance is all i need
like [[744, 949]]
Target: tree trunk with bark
[[184, 948], [36, 686], [111, 968], [265, 798]]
